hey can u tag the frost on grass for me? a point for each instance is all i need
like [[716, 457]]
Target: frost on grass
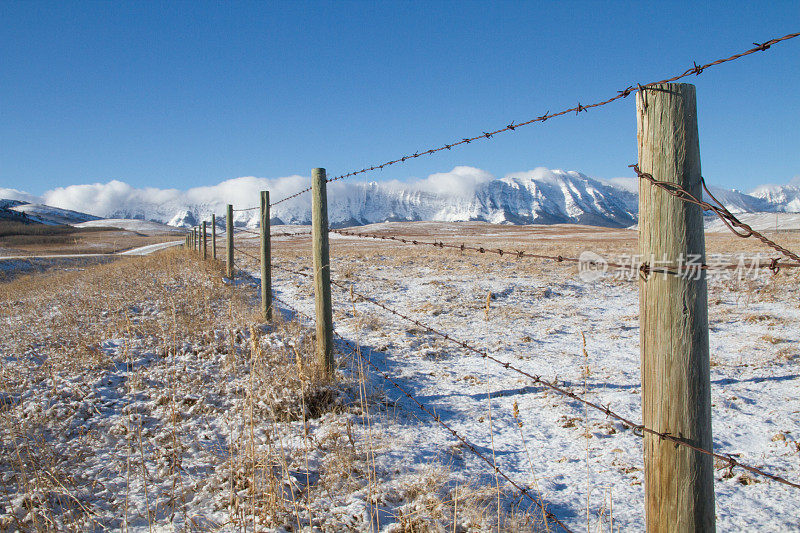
[[146, 394]]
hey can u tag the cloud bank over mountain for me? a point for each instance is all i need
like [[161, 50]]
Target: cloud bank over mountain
[[465, 193]]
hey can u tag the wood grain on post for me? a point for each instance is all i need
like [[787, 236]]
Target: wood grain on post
[[229, 240], [673, 310], [205, 241], [266, 266], [322, 270], [213, 236]]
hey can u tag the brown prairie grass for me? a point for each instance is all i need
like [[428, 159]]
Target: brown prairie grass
[[190, 357]]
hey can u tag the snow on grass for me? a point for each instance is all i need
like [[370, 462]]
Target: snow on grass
[[146, 227], [146, 392], [146, 395], [537, 317]]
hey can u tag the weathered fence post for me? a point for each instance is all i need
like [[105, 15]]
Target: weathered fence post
[[229, 240], [266, 253], [194, 238], [673, 310], [213, 236], [205, 241], [322, 270]]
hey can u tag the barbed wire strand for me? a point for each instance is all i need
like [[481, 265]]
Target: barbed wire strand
[[720, 210], [283, 234], [522, 254], [638, 429], [522, 490], [695, 69], [246, 254]]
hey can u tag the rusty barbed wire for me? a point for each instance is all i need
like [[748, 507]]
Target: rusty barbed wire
[[721, 211], [695, 69], [283, 234], [247, 209], [638, 429], [290, 234], [522, 254], [295, 195], [492, 464], [251, 256]]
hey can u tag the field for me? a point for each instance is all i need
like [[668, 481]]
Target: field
[[18, 239], [147, 394]]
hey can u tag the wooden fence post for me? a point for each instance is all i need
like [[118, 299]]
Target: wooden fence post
[[673, 311], [213, 236], [229, 239], [322, 270], [266, 258], [205, 241], [194, 238]]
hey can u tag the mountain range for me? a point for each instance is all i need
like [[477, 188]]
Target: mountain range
[[539, 196]]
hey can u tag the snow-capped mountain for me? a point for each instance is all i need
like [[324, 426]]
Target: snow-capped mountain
[[739, 202], [45, 214], [785, 198], [539, 196]]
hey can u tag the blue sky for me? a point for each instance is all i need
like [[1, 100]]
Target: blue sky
[[183, 94]]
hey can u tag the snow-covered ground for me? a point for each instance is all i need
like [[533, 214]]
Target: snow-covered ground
[[538, 316], [151, 248], [185, 404], [764, 222], [146, 227]]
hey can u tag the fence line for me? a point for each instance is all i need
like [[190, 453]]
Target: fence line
[[638, 429], [645, 268], [357, 352], [649, 433]]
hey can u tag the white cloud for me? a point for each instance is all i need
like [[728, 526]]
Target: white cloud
[[543, 174], [626, 184], [461, 181], [14, 194], [114, 197]]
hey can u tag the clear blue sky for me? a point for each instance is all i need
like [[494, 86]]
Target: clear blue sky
[[179, 94]]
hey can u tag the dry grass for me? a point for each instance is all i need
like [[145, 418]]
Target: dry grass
[[144, 322], [39, 239], [227, 422], [147, 392]]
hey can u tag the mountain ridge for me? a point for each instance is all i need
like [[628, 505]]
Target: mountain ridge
[[538, 196]]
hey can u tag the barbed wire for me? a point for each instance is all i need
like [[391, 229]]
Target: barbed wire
[[283, 234], [522, 490], [246, 254], [247, 208], [695, 69], [638, 429], [290, 234], [295, 195], [720, 210], [645, 268]]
